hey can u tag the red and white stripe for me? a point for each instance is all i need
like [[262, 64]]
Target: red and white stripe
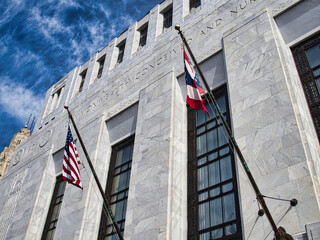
[[70, 169]]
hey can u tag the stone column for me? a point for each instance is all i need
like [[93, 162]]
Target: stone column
[[180, 10], [266, 125], [157, 194]]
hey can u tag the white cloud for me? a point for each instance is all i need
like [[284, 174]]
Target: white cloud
[[48, 25], [18, 101], [68, 3], [12, 8]]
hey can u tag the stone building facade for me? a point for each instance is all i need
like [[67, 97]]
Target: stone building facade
[[168, 170], [6, 154]]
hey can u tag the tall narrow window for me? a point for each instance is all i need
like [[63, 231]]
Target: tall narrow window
[[121, 52], [143, 36], [117, 188], [194, 3], [307, 58], [54, 210], [101, 64], [213, 208], [56, 99], [167, 19], [83, 77]]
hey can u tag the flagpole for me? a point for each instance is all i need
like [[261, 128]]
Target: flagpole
[[259, 196], [95, 177]]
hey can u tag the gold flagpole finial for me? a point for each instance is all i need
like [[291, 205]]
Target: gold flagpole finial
[[66, 107], [177, 27]]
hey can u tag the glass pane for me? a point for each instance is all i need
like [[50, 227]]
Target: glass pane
[[221, 101], [201, 129], [211, 111], [227, 187], [217, 233], [211, 125], [123, 181], [201, 117], [225, 168], [114, 237], [120, 195], [214, 173], [216, 212], [113, 207], [313, 55], [128, 178], [204, 236], [114, 198], [124, 167], [212, 139], [318, 83], [59, 199], [52, 225], [109, 229], [201, 144], [224, 151], [231, 229], [62, 186], [215, 192], [202, 161], [202, 178], [55, 213], [50, 234], [117, 170], [115, 185], [229, 212], [124, 210], [119, 157], [316, 72], [223, 136], [212, 156], [119, 210], [203, 196], [204, 221], [127, 153]]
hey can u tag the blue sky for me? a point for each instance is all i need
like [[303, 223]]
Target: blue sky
[[41, 41]]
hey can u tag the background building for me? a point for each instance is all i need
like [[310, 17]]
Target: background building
[[6, 154], [169, 171]]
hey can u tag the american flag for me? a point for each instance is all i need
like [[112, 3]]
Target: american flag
[[194, 89], [70, 169]]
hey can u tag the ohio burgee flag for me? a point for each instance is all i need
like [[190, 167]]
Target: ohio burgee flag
[[194, 89]]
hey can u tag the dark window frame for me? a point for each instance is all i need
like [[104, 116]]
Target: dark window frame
[[143, 36], [308, 79], [194, 3], [101, 65], [112, 173], [83, 78], [53, 204], [167, 18], [193, 193], [121, 48]]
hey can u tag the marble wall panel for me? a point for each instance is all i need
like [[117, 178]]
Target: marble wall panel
[[269, 133]]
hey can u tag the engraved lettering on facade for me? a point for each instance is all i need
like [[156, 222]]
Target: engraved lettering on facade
[[234, 11], [45, 138], [243, 6], [30, 149], [218, 22], [18, 157], [159, 61]]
